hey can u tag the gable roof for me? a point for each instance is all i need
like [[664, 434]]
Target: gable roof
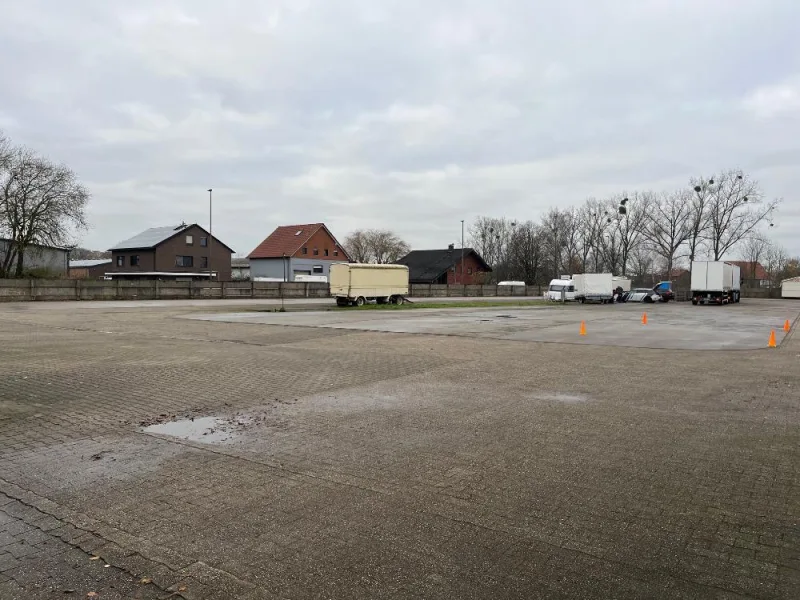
[[751, 270], [286, 240], [427, 265], [155, 236]]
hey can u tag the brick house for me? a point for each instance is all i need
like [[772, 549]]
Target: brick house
[[753, 273], [296, 250], [182, 252], [444, 266]]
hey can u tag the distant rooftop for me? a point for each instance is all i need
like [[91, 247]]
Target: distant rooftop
[[85, 264]]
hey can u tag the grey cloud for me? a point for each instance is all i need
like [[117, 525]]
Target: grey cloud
[[398, 114]]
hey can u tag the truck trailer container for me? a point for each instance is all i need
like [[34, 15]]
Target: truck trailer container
[[594, 287], [715, 282], [356, 284], [790, 288]]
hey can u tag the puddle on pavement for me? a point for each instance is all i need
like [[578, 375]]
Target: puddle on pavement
[[207, 430], [564, 398]]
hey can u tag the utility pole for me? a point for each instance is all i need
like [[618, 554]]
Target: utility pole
[[462, 251], [210, 236]]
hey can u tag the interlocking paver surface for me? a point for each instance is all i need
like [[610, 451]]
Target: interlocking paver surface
[[367, 464]]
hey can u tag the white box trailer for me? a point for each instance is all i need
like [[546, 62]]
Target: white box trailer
[[594, 287], [715, 282], [356, 283], [622, 282], [790, 288]]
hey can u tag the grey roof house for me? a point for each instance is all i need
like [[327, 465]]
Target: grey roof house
[[182, 252]]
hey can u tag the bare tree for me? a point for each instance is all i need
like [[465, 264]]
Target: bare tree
[[630, 223], [775, 262], [386, 246], [668, 225], [490, 237], [642, 262], [375, 246], [525, 253], [40, 203], [734, 211], [590, 224], [699, 215], [753, 249]]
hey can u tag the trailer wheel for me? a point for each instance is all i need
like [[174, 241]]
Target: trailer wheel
[[342, 302], [398, 300], [694, 301], [361, 301]]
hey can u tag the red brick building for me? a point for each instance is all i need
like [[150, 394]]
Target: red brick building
[[445, 267], [296, 250]]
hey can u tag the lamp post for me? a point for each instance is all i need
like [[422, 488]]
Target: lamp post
[[210, 236], [462, 251]]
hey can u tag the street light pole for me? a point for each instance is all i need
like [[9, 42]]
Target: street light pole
[[462, 251], [210, 236]]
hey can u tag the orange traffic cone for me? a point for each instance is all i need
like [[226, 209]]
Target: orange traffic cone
[[772, 343], [787, 326], [583, 327], [644, 318]]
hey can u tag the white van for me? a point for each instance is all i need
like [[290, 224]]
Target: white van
[[556, 286]]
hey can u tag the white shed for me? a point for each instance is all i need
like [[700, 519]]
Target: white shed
[[790, 288]]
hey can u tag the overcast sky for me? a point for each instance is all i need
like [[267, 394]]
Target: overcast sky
[[398, 114]]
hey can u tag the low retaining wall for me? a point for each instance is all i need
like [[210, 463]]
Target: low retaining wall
[[21, 290], [16, 290]]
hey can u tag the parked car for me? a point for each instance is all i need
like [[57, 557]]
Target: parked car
[[642, 295], [664, 289]]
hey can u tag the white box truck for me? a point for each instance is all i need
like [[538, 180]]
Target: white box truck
[[594, 287], [356, 284], [715, 282]]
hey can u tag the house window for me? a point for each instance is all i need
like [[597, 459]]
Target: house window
[[204, 241], [203, 262], [120, 261], [316, 251], [336, 253], [326, 252], [189, 240], [469, 270], [317, 269], [184, 261], [305, 250], [135, 260]]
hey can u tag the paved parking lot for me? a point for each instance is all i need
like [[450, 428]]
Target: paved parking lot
[[671, 325], [430, 454]]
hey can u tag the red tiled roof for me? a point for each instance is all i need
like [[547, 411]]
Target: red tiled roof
[[286, 240], [748, 272]]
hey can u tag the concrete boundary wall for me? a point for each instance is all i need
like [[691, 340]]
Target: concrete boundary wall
[[21, 290]]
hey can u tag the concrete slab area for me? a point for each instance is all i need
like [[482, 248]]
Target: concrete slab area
[[744, 326], [467, 459]]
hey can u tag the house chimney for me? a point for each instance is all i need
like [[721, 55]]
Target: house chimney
[[451, 247]]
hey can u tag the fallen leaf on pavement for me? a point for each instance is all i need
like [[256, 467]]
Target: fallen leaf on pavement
[[92, 595], [182, 588], [94, 558], [145, 580]]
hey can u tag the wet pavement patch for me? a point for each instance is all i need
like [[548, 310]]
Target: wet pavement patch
[[564, 398], [208, 430]]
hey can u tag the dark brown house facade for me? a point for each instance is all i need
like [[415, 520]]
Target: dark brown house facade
[[182, 252]]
